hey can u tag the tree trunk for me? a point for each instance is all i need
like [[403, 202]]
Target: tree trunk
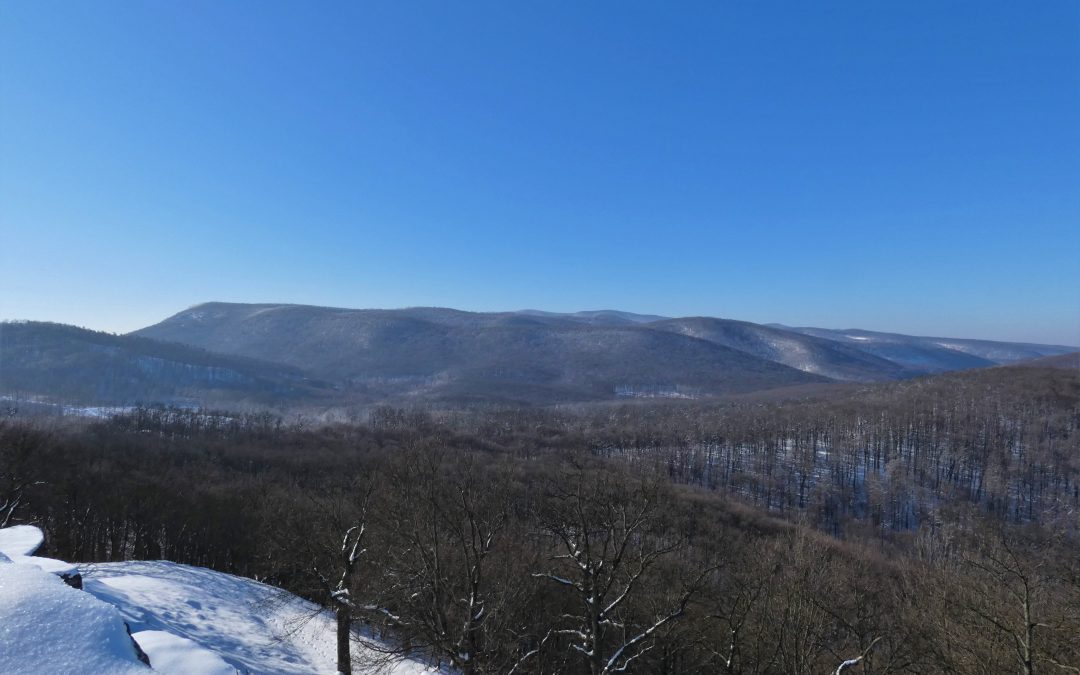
[[344, 630]]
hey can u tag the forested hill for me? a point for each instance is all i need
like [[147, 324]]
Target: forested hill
[[445, 355], [81, 366]]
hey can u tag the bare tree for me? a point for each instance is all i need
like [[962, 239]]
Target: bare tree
[[443, 593], [332, 533], [1014, 592], [603, 529], [339, 593]]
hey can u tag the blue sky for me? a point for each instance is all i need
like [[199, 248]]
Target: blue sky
[[906, 166]]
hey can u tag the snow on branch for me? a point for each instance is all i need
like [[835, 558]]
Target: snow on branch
[[857, 660]]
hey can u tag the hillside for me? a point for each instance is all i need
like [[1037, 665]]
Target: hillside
[[441, 354], [934, 354], [811, 354], [83, 366], [1070, 361], [602, 316]]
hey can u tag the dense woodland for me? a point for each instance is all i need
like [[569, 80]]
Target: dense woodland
[[926, 526]]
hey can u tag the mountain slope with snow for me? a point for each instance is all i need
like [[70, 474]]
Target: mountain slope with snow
[[807, 353], [934, 354]]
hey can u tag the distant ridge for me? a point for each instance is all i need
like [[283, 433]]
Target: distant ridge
[[448, 355], [285, 354], [598, 316]]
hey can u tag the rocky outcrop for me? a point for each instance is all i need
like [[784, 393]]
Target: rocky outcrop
[[135, 643], [20, 542]]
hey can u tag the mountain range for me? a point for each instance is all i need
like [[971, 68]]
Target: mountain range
[[280, 354]]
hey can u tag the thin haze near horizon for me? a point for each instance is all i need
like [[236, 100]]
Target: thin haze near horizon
[[907, 167]]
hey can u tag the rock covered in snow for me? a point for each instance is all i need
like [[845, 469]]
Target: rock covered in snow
[[20, 540], [65, 570], [47, 627], [18, 543], [174, 655]]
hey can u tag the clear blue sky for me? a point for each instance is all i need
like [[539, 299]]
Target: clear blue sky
[[907, 166]]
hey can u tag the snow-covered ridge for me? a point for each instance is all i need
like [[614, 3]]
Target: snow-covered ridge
[[186, 619]]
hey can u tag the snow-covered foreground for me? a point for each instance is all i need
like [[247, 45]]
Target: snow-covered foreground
[[188, 620], [253, 627], [48, 627]]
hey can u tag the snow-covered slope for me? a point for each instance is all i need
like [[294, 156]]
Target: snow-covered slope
[[807, 353], [253, 627], [188, 620]]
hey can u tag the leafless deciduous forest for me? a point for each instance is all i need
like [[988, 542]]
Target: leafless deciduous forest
[[926, 526]]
